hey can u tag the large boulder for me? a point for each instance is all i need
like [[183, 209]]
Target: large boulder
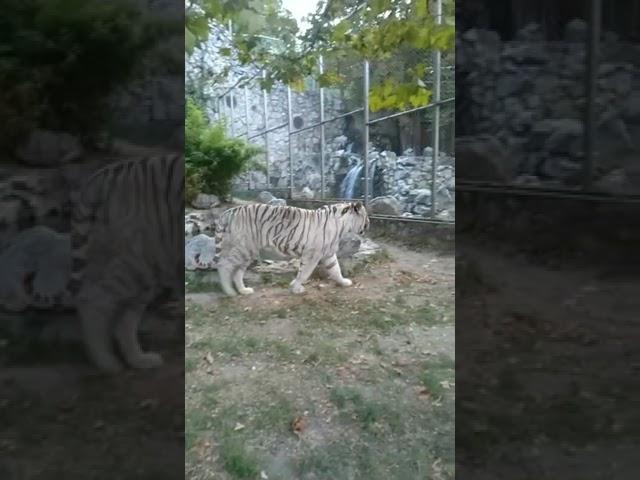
[[204, 201], [199, 253], [36, 265], [46, 148], [483, 158], [278, 202], [199, 222], [349, 245], [387, 205], [265, 197]]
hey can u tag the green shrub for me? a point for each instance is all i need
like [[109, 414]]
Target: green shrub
[[192, 183], [213, 158], [60, 61]]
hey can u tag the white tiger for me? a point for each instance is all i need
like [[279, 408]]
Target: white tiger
[[312, 235], [126, 240]]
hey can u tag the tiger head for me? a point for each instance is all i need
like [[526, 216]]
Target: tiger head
[[356, 217]]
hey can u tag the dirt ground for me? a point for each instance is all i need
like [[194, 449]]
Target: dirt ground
[[534, 339], [337, 383], [60, 420]]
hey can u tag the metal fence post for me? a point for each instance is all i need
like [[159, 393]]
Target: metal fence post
[[436, 115], [290, 123], [246, 110], [322, 132], [593, 41], [265, 113], [233, 113], [365, 152]]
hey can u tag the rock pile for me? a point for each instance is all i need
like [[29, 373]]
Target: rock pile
[[540, 122]]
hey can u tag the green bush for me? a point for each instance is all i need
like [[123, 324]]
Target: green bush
[[213, 158], [60, 61]]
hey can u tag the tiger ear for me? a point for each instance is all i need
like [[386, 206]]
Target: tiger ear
[[356, 206], [345, 210]]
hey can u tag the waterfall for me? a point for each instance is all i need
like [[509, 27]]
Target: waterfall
[[348, 186], [349, 183]]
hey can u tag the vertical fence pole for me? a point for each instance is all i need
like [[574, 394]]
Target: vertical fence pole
[[322, 132], [436, 114], [232, 108], [265, 113], [593, 41], [246, 122], [290, 113], [365, 143], [246, 110]]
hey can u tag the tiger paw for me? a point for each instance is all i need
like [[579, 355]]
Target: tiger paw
[[296, 288], [110, 367], [345, 282], [147, 360], [245, 291]]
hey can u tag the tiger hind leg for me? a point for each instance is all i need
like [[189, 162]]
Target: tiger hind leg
[[333, 271], [126, 334], [238, 280], [97, 320], [224, 272]]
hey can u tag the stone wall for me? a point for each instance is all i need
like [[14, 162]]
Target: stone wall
[[540, 123], [150, 110]]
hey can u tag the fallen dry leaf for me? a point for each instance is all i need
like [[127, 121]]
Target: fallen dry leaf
[[298, 425], [424, 394], [238, 426], [209, 358], [263, 475]]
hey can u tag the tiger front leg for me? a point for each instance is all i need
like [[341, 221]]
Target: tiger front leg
[[307, 266], [97, 318], [333, 271], [238, 280]]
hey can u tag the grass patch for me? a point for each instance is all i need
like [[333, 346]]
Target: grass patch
[[326, 353], [238, 461], [281, 280], [190, 364], [372, 412], [434, 372], [275, 416], [364, 264], [364, 314], [201, 282], [237, 346]]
